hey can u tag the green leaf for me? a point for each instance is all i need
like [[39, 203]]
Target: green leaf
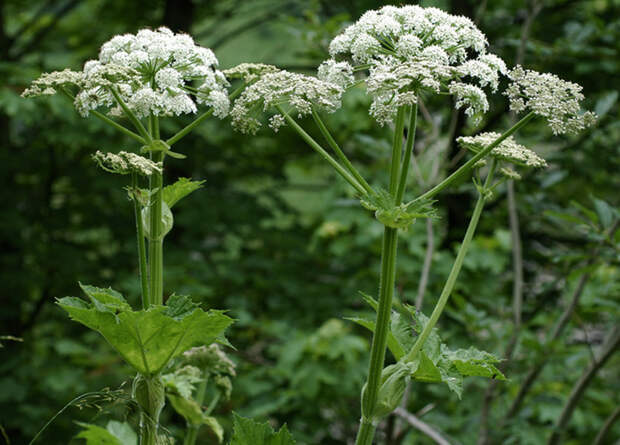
[[433, 341], [182, 380], [473, 362], [214, 426], [105, 300], [173, 193], [393, 345], [180, 306], [248, 432], [187, 408], [426, 371], [95, 435], [604, 211], [123, 432], [148, 339]]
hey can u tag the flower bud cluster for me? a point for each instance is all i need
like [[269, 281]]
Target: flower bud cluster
[[508, 150], [282, 88], [124, 163], [550, 97]]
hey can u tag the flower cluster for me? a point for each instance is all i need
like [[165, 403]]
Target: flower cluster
[[283, 88], [153, 72], [411, 49], [249, 72], [508, 150], [550, 97], [125, 163]]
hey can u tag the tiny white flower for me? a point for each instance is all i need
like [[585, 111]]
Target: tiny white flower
[[508, 150], [550, 97]]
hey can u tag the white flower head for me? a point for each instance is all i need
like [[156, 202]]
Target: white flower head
[[508, 150], [283, 88], [550, 97], [340, 73], [124, 163], [153, 72], [435, 51], [249, 71]]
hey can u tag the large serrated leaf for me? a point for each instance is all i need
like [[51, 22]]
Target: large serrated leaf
[[148, 339], [249, 432], [173, 193]]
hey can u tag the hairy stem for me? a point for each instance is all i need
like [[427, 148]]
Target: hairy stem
[[454, 273], [144, 279], [397, 147], [386, 292], [402, 183], [156, 240], [343, 158]]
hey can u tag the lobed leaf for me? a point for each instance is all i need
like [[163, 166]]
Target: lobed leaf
[[249, 432], [148, 339]]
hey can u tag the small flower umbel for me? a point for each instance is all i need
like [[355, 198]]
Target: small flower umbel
[[153, 72], [546, 95]]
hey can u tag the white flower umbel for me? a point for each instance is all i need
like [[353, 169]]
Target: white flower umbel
[[282, 88], [153, 72], [124, 163], [411, 49], [550, 97], [249, 72], [508, 150]]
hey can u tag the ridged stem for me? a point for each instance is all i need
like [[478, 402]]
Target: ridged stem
[[144, 279]]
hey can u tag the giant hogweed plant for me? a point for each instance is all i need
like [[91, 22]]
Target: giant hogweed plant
[[402, 56], [171, 345]]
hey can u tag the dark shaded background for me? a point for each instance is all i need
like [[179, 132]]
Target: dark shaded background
[[275, 238]]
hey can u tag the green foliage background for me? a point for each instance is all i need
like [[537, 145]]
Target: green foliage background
[[278, 240]]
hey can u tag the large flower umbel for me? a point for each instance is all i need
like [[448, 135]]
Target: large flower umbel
[[410, 49], [153, 72]]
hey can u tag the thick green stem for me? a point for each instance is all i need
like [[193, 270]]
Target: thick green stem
[[404, 171], [469, 164], [397, 147], [156, 241], [379, 339], [144, 279], [454, 273], [343, 158], [320, 150]]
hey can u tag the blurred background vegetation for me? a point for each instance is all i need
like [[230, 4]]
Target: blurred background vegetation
[[278, 240]]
